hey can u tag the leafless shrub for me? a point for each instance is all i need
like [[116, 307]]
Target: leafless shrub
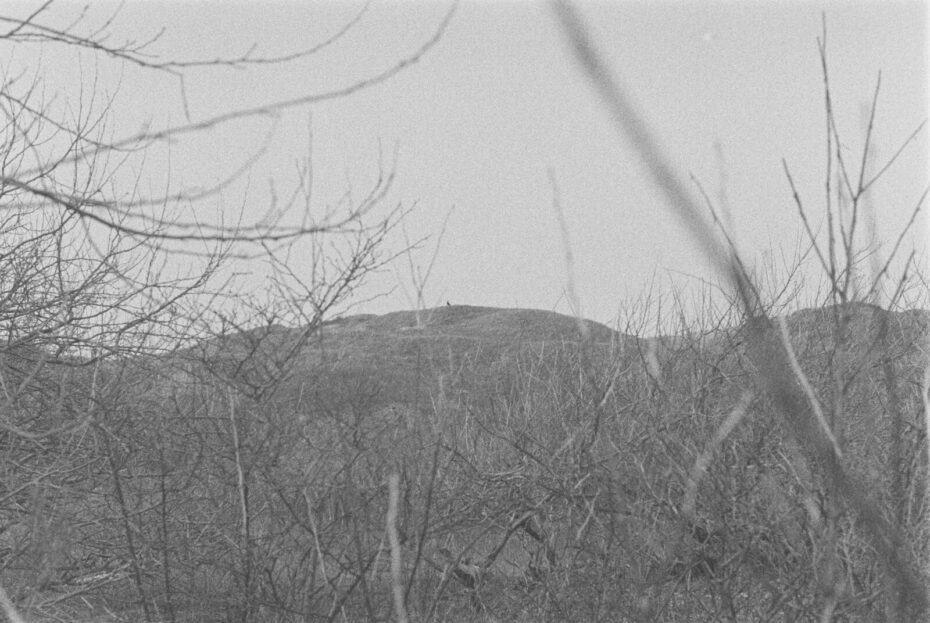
[[842, 499], [148, 460]]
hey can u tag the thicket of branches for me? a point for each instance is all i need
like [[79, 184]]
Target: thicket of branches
[[168, 455], [132, 390]]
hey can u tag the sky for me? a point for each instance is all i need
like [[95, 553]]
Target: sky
[[496, 118]]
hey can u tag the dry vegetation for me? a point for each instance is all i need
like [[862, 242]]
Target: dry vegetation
[[162, 461], [539, 479]]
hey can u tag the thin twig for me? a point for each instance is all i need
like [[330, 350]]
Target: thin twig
[[703, 461], [396, 563], [9, 609], [806, 386]]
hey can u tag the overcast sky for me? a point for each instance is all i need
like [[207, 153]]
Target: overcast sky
[[478, 123]]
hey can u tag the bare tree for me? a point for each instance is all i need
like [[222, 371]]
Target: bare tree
[[98, 317], [84, 146]]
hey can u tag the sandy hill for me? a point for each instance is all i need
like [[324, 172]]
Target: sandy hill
[[402, 357]]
